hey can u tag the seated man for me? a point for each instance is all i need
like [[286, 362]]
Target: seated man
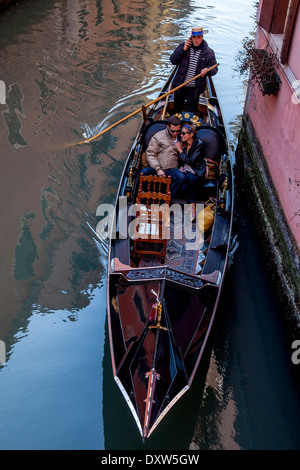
[[162, 155]]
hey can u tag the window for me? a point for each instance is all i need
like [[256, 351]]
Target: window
[[273, 15], [288, 29], [278, 17]]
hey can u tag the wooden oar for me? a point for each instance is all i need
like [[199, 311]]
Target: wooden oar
[[145, 106], [166, 105]]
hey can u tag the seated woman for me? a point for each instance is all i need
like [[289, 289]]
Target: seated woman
[[191, 156]]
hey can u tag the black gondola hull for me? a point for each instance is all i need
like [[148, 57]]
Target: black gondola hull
[[160, 315]]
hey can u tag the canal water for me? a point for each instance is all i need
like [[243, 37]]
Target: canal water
[[71, 67]]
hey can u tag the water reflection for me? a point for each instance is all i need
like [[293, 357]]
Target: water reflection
[[72, 68], [65, 81], [215, 427], [14, 103], [69, 68]]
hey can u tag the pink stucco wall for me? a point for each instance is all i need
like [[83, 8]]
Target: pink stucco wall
[[276, 120]]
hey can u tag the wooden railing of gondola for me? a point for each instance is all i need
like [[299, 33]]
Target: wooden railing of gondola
[[145, 106]]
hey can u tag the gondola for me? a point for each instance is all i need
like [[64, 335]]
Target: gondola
[[161, 304]]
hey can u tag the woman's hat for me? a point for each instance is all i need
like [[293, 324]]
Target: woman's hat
[[199, 31]]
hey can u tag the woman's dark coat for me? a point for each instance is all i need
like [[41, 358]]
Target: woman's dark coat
[[195, 158]]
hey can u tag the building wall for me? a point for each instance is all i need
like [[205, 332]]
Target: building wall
[[276, 120], [268, 159]]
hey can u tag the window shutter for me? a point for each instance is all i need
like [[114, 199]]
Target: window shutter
[[267, 14], [280, 16], [289, 31]]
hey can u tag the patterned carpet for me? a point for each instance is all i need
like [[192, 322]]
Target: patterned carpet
[[182, 251]]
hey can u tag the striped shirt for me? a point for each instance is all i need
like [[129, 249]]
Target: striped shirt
[[191, 72]]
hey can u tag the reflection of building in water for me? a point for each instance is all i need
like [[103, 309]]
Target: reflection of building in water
[[73, 65], [6, 3], [216, 427]]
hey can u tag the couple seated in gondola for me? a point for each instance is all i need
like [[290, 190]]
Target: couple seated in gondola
[[176, 152]]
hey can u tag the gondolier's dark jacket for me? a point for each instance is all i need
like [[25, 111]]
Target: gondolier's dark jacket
[[182, 57]]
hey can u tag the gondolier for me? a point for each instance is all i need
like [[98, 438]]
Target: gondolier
[[193, 57]]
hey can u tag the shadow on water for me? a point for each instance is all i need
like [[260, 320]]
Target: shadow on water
[[244, 404]]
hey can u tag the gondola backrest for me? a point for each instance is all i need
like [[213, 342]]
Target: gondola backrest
[[150, 130], [214, 142]]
